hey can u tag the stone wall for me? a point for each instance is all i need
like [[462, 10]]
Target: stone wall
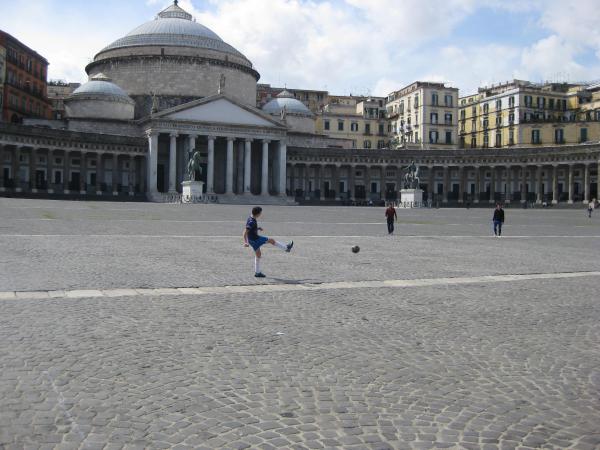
[[183, 77], [98, 109], [300, 124]]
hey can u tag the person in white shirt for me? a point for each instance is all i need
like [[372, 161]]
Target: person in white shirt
[[591, 206]]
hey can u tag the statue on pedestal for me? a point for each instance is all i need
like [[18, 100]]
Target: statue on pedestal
[[411, 177]]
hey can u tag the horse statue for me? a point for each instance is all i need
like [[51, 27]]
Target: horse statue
[[411, 177], [194, 167]]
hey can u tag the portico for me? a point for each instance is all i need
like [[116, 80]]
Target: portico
[[243, 150]]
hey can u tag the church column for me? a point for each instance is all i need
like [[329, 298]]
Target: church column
[[229, 168], [142, 179], [240, 168], [66, 173], [477, 184], [555, 184], [282, 168], [446, 184], [509, 189], [2, 147], [152, 163], [32, 166], [492, 184], [336, 181], [352, 181], [461, 184], [99, 174], [539, 190], [49, 170], [586, 182], [264, 190], [571, 168], [524, 184], [115, 174], [173, 164], [131, 175], [83, 174], [210, 170], [430, 182], [248, 166]]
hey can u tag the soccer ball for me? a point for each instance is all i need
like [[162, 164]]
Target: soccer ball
[[355, 249]]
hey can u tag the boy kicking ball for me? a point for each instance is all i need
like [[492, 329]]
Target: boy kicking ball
[[252, 239]]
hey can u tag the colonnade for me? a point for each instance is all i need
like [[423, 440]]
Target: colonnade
[[27, 169], [551, 182], [240, 185]]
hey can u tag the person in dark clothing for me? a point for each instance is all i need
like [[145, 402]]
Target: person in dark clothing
[[498, 220], [390, 214]]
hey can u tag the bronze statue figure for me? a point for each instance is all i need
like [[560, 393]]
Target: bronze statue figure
[[411, 178], [194, 168]]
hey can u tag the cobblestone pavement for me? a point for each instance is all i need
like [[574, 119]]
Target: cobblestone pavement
[[505, 364]]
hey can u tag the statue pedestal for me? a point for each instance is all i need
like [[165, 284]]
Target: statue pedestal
[[411, 198], [192, 192]]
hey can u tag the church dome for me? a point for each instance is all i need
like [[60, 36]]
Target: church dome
[[100, 85], [286, 100], [174, 27]]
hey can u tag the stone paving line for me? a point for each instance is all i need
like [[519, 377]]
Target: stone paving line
[[287, 287]]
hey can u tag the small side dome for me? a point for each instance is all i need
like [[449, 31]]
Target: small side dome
[[286, 100], [99, 99]]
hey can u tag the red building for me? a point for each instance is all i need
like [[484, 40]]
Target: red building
[[23, 82]]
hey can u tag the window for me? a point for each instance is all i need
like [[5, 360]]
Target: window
[[401, 111], [463, 114], [380, 144], [448, 100], [511, 137], [564, 105], [473, 125], [473, 142], [551, 103], [367, 144], [368, 129], [498, 104], [541, 102], [511, 101], [474, 111], [353, 126], [433, 137], [559, 136], [341, 125], [416, 137], [511, 118], [528, 101], [434, 118], [417, 101], [448, 137], [535, 137], [326, 125], [381, 129], [486, 124], [583, 135], [498, 140], [448, 118], [434, 99], [486, 141], [498, 121]]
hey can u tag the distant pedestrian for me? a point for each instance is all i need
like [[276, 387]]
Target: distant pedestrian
[[591, 206], [498, 220], [252, 239], [390, 215]]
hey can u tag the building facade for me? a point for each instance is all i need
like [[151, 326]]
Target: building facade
[[23, 73], [521, 113], [359, 121], [423, 114], [58, 91], [313, 100]]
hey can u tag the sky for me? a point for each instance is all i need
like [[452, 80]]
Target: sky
[[360, 47]]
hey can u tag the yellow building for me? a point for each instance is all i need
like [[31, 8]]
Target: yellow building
[[423, 115], [314, 100], [359, 120], [521, 113]]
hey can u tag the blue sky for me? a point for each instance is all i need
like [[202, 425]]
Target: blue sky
[[345, 46]]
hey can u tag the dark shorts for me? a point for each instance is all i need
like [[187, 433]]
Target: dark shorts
[[258, 243]]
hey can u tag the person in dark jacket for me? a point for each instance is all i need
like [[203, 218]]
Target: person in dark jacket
[[498, 220], [390, 215]]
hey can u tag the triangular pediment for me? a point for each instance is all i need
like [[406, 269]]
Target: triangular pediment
[[220, 110]]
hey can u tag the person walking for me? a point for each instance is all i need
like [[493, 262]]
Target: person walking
[[498, 220], [391, 216], [252, 239], [591, 206]]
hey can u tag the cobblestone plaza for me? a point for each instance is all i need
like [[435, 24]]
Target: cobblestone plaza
[[134, 325]]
